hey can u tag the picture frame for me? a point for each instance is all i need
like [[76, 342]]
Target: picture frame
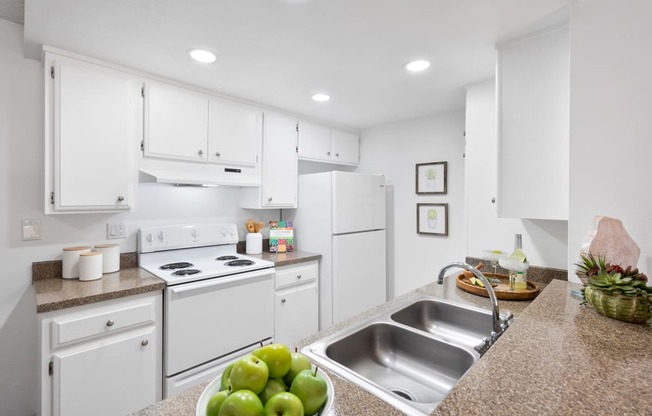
[[432, 219], [431, 178]]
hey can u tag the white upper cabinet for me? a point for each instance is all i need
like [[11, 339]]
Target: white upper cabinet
[[280, 166], [234, 133], [346, 147], [533, 87], [91, 138], [176, 123], [323, 144]]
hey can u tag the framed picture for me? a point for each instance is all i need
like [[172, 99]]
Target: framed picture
[[432, 219], [431, 178]]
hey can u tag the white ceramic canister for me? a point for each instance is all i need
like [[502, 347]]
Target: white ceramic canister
[[254, 243], [110, 257], [70, 262], [90, 266]]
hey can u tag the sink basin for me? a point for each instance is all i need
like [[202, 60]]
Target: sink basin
[[410, 356], [451, 322], [420, 369]]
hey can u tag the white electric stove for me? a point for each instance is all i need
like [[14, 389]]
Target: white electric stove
[[218, 304]]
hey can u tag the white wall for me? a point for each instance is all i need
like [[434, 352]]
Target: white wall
[[21, 187], [393, 150], [611, 120], [544, 241]]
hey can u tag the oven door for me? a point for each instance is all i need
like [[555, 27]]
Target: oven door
[[209, 319]]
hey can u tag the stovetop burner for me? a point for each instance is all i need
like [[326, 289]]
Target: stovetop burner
[[186, 272], [174, 266], [241, 262], [227, 258]]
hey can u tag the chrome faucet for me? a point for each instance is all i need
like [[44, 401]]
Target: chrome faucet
[[499, 324]]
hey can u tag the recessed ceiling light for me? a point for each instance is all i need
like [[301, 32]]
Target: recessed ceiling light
[[202, 55], [417, 66], [321, 97]]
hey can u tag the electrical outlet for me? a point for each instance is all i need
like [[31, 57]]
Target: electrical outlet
[[31, 230], [116, 230]]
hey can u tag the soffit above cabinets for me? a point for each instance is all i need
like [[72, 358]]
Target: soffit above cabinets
[[279, 53]]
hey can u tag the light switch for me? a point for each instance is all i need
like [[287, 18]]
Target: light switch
[[31, 230]]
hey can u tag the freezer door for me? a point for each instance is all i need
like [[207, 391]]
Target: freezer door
[[359, 273], [358, 202]]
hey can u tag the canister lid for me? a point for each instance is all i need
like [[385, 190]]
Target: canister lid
[[76, 248], [91, 253], [106, 245]]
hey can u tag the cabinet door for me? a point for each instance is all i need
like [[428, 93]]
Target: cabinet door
[[95, 134], [296, 313], [280, 174], [533, 126], [346, 147], [176, 123], [234, 133], [113, 376], [314, 142]]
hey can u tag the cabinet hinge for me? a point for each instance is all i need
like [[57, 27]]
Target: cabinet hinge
[[142, 145], [51, 367], [297, 126], [464, 133], [52, 198], [52, 72], [296, 149], [142, 91]]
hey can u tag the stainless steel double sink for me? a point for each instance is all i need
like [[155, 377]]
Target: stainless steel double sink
[[410, 356]]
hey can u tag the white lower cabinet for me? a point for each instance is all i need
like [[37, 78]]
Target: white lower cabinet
[[297, 302], [101, 359]]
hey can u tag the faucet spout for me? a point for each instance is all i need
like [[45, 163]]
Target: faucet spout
[[498, 325]]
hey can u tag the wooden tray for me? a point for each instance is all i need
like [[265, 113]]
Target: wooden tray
[[502, 290]]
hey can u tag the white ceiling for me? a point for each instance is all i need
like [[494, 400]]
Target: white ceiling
[[279, 52]]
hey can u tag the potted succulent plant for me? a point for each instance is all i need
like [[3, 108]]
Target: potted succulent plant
[[615, 292]]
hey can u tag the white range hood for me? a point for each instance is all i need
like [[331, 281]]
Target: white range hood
[[181, 173]]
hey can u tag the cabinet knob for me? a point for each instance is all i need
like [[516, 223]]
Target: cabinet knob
[[328, 153], [493, 200], [144, 343], [110, 322], [298, 276], [217, 154], [337, 155], [283, 300], [269, 199], [200, 153], [121, 198]]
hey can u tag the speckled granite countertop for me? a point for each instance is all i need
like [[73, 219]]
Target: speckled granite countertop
[[56, 293], [287, 259], [350, 400]]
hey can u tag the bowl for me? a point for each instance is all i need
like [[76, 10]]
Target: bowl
[[214, 387], [513, 265]]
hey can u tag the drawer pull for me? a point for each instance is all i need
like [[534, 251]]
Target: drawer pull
[[283, 301], [110, 322], [144, 343], [298, 276]]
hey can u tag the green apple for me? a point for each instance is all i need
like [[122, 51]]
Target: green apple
[[249, 373], [225, 383], [215, 402], [242, 403], [284, 404], [272, 387], [277, 357], [299, 363], [311, 389]]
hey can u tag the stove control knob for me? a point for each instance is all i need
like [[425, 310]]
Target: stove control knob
[[223, 231], [162, 236], [195, 233], [150, 238]]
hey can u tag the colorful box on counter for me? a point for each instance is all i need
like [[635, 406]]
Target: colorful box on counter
[[281, 236]]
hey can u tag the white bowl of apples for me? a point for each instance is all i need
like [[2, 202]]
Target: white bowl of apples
[[270, 381]]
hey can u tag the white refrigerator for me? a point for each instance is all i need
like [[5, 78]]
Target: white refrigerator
[[341, 215]]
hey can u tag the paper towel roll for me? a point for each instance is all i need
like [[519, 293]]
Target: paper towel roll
[[110, 257], [90, 266], [70, 263]]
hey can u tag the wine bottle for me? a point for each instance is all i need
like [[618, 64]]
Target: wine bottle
[[518, 275]]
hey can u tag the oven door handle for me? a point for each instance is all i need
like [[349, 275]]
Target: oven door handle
[[221, 281]]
